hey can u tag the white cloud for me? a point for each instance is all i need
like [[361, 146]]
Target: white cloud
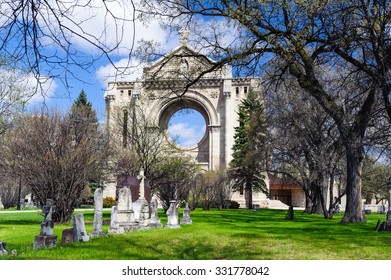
[[122, 71], [186, 134]]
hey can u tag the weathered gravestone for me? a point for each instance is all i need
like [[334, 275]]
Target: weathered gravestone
[[114, 225], [172, 215], [123, 214], [67, 236], [98, 214], [46, 237], [79, 229], [3, 249], [154, 221], [186, 216]]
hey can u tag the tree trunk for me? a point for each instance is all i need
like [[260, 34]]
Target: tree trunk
[[353, 212], [250, 194], [331, 195]]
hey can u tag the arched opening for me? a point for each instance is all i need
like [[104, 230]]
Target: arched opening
[[186, 127], [186, 122]]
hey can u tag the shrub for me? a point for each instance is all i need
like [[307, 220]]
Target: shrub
[[233, 204], [108, 202]]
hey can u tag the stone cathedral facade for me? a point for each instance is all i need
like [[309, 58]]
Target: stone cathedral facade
[[216, 96]]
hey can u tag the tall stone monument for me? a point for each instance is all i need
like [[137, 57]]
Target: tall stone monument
[[46, 238], [98, 214], [140, 206], [172, 215]]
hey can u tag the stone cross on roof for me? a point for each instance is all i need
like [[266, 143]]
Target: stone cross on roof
[[184, 32]]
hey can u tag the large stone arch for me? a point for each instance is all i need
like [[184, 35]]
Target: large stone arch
[[204, 152]]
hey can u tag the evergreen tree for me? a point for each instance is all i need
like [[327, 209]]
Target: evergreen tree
[[249, 158], [82, 114], [82, 118], [81, 100]]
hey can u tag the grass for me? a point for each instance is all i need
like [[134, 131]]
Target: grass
[[217, 234]]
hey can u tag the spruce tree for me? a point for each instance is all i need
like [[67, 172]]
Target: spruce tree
[[249, 152]]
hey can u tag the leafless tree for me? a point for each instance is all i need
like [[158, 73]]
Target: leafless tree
[[51, 161], [306, 35], [211, 189], [14, 93], [136, 142], [304, 141]]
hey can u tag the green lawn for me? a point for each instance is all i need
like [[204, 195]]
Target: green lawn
[[216, 234]]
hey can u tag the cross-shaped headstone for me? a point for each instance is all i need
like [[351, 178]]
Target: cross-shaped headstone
[[141, 177]]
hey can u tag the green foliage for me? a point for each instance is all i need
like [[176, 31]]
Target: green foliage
[[81, 100], [108, 202], [249, 150]]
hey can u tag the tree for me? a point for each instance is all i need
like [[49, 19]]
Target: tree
[[351, 34], [211, 189], [304, 141], [375, 177], [15, 92], [135, 142], [173, 178], [249, 160], [52, 160]]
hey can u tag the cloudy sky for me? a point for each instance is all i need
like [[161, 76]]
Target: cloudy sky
[[99, 27]]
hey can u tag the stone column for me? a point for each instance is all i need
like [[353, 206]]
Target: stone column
[[214, 147], [98, 214], [229, 115], [109, 100]]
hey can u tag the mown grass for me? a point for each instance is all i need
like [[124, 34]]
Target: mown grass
[[216, 234]]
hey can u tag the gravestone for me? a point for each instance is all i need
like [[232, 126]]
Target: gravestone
[[79, 229], [144, 216], [3, 249], [186, 216], [122, 215], [98, 214], [172, 215], [154, 221], [67, 235], [46, 237], [114, 225]]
